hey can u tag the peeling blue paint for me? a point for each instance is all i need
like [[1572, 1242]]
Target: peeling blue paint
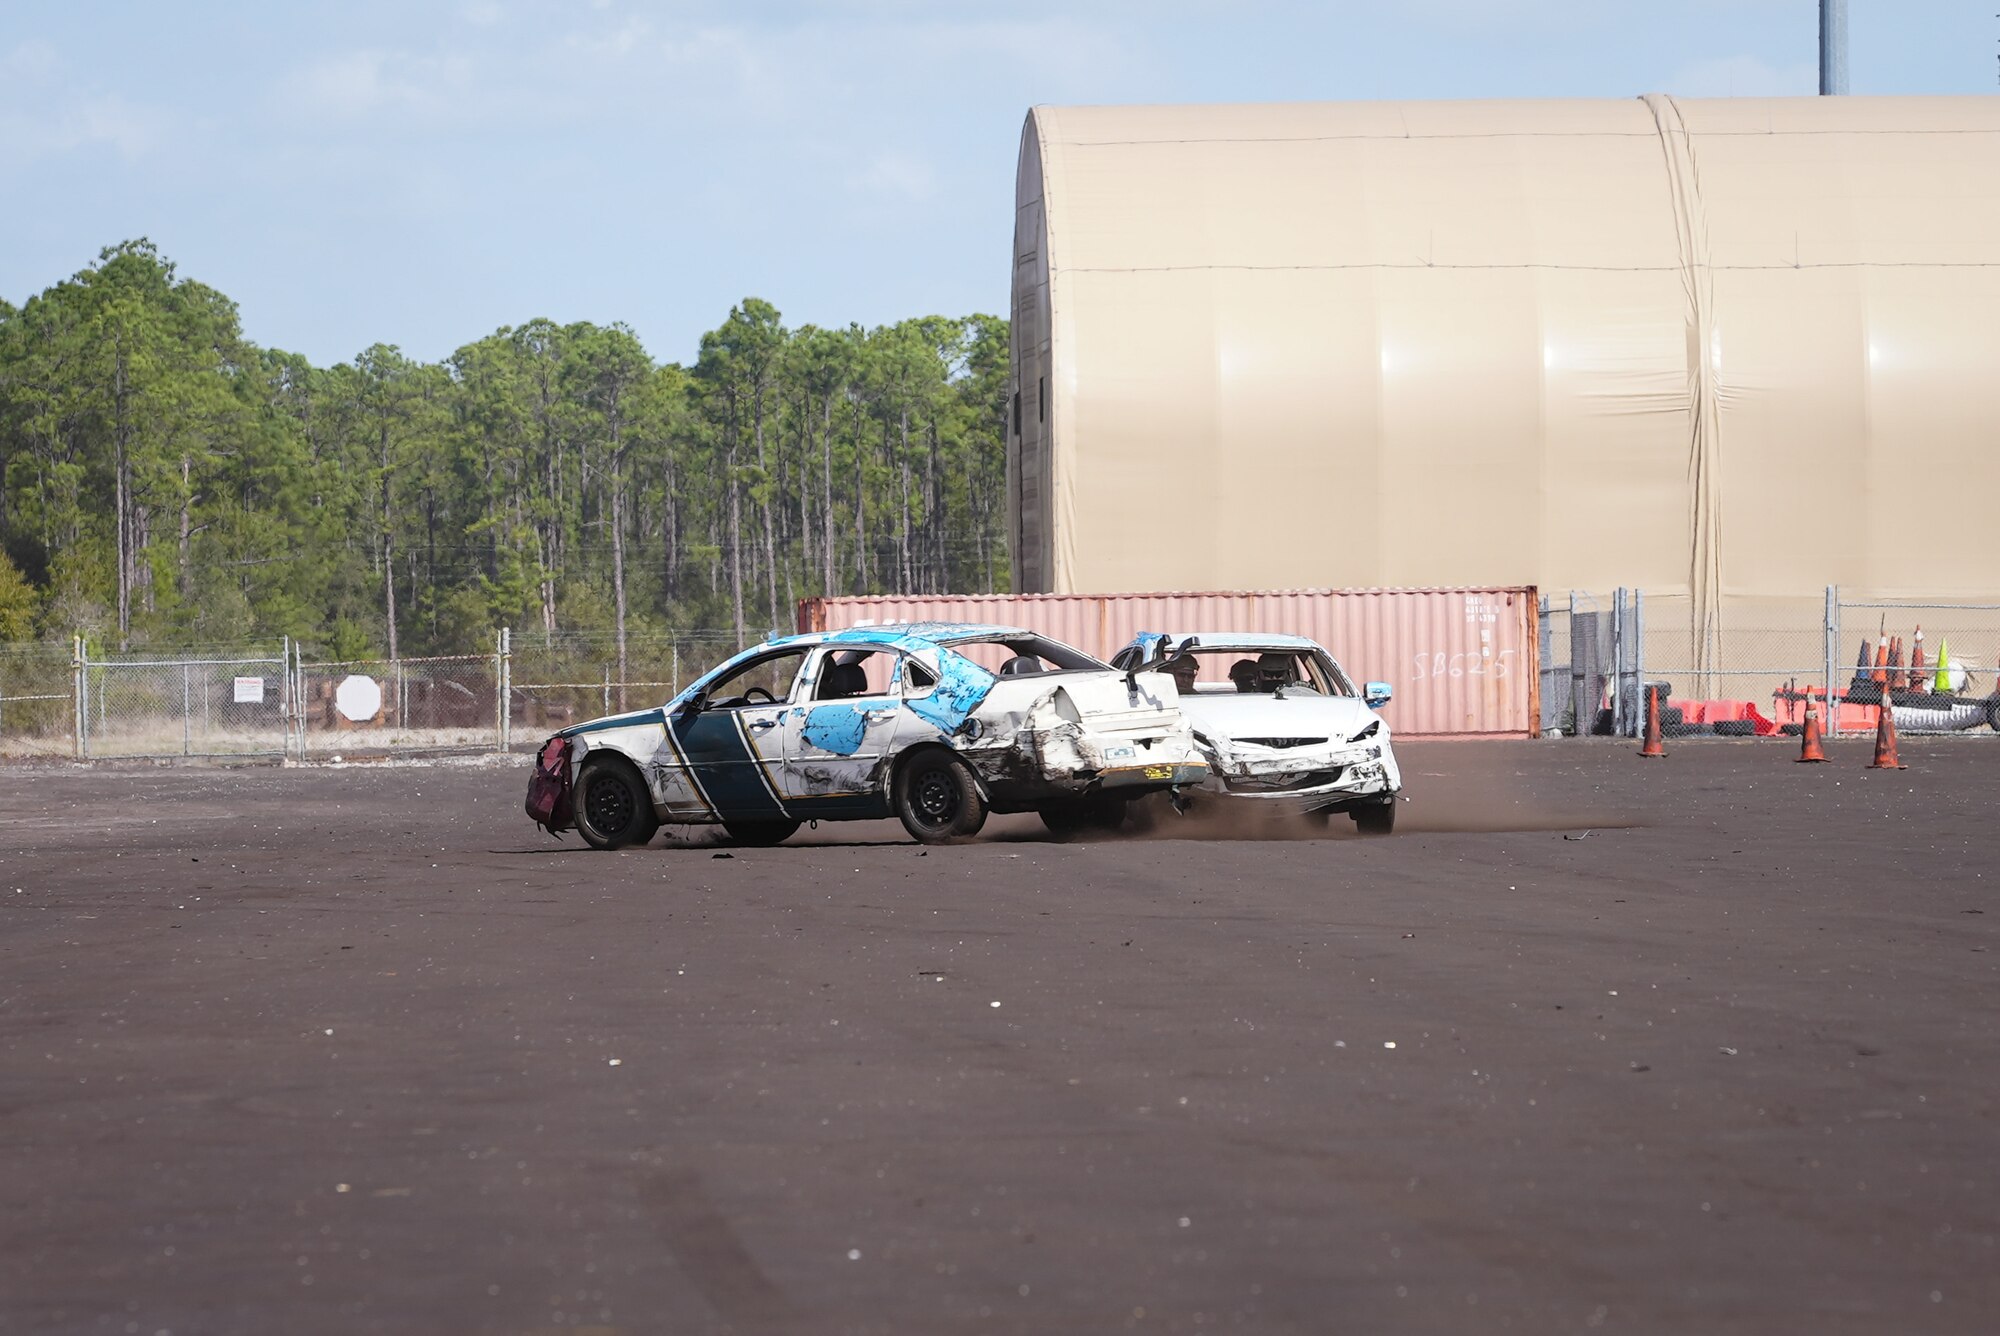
[[836, 728], [962, 685]]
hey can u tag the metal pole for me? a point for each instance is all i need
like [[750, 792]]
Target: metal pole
[[187, 722], [607, 688], [1832, 47], [1832, 640], [78, 706], [501, 693], [1618, 728], [1579, 722], [1639, 652]]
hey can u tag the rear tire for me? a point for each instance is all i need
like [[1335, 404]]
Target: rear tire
[[761, 834], [613, 808], [936, 798], [1375, 818]]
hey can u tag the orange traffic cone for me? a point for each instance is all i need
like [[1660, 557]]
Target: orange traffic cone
[[1882, 661], [1651, 746], [1885, 737], [1809, 746], [1917, 661]]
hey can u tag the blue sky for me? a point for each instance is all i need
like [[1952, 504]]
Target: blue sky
[[422, 173]]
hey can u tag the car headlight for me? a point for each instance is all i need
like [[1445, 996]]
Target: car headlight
[[1374, 727]]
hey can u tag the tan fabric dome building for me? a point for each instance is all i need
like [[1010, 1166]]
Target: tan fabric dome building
[[1735, 348]]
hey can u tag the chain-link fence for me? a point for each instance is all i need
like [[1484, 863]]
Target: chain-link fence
[[1766, 661], [367, 707], [559, 680], [38, 700], [287, 701], [214, 703]]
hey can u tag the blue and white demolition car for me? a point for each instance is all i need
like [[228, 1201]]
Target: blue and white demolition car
[[936, 723]]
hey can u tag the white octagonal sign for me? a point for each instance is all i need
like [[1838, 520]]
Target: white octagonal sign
[[358, 698]]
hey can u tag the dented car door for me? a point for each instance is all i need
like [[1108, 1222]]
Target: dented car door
[[842, 732]]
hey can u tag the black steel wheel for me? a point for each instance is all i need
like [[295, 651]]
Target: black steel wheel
[[762, 834], [613, 808], [1375, 818], [936, 799]]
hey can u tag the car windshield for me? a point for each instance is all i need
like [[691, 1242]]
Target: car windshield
[[1010, 654], [1266, 670]]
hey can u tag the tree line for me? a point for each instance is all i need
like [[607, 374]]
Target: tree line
[[168, 482]]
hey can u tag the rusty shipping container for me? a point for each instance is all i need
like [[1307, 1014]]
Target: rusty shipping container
[[1463, 662]]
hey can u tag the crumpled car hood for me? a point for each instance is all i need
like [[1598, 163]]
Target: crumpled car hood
[[1220, 718]]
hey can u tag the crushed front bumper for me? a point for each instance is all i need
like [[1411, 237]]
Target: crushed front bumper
[[1331, 781]]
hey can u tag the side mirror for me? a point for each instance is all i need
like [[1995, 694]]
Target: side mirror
[[1376, 694]]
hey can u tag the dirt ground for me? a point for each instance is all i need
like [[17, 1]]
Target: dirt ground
[[360, 1050]]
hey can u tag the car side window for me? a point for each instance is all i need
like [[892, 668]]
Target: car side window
[[763, 681], [852, 671]]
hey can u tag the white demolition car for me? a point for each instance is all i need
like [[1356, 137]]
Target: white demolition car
[[1280, 724], [937, 723]]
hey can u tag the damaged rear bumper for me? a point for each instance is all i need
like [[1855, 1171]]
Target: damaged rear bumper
[[1066, 762], [1153, 776]]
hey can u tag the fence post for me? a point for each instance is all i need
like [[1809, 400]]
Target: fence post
[[505, 708], [1577, 717], [1544, 658], [77, 706], [1639, 657], [1832, 638], [607, 688], [1620, 724]]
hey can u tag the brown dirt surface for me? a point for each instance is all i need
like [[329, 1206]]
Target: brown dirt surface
[[359, 1050]]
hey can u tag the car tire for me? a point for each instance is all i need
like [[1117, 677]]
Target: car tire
[[936, 798], [761, 834], [1992, 704], [1096, 813], [613, 808], [1375, 818]]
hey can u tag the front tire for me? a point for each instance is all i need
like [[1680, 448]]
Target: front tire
[[1375, 818], [936, 798], [613, 808]]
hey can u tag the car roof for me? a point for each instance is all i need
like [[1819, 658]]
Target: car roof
[[1240, 640], [932, 633]]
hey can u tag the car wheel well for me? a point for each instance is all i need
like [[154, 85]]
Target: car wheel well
[[609, 757], [922, 749]]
